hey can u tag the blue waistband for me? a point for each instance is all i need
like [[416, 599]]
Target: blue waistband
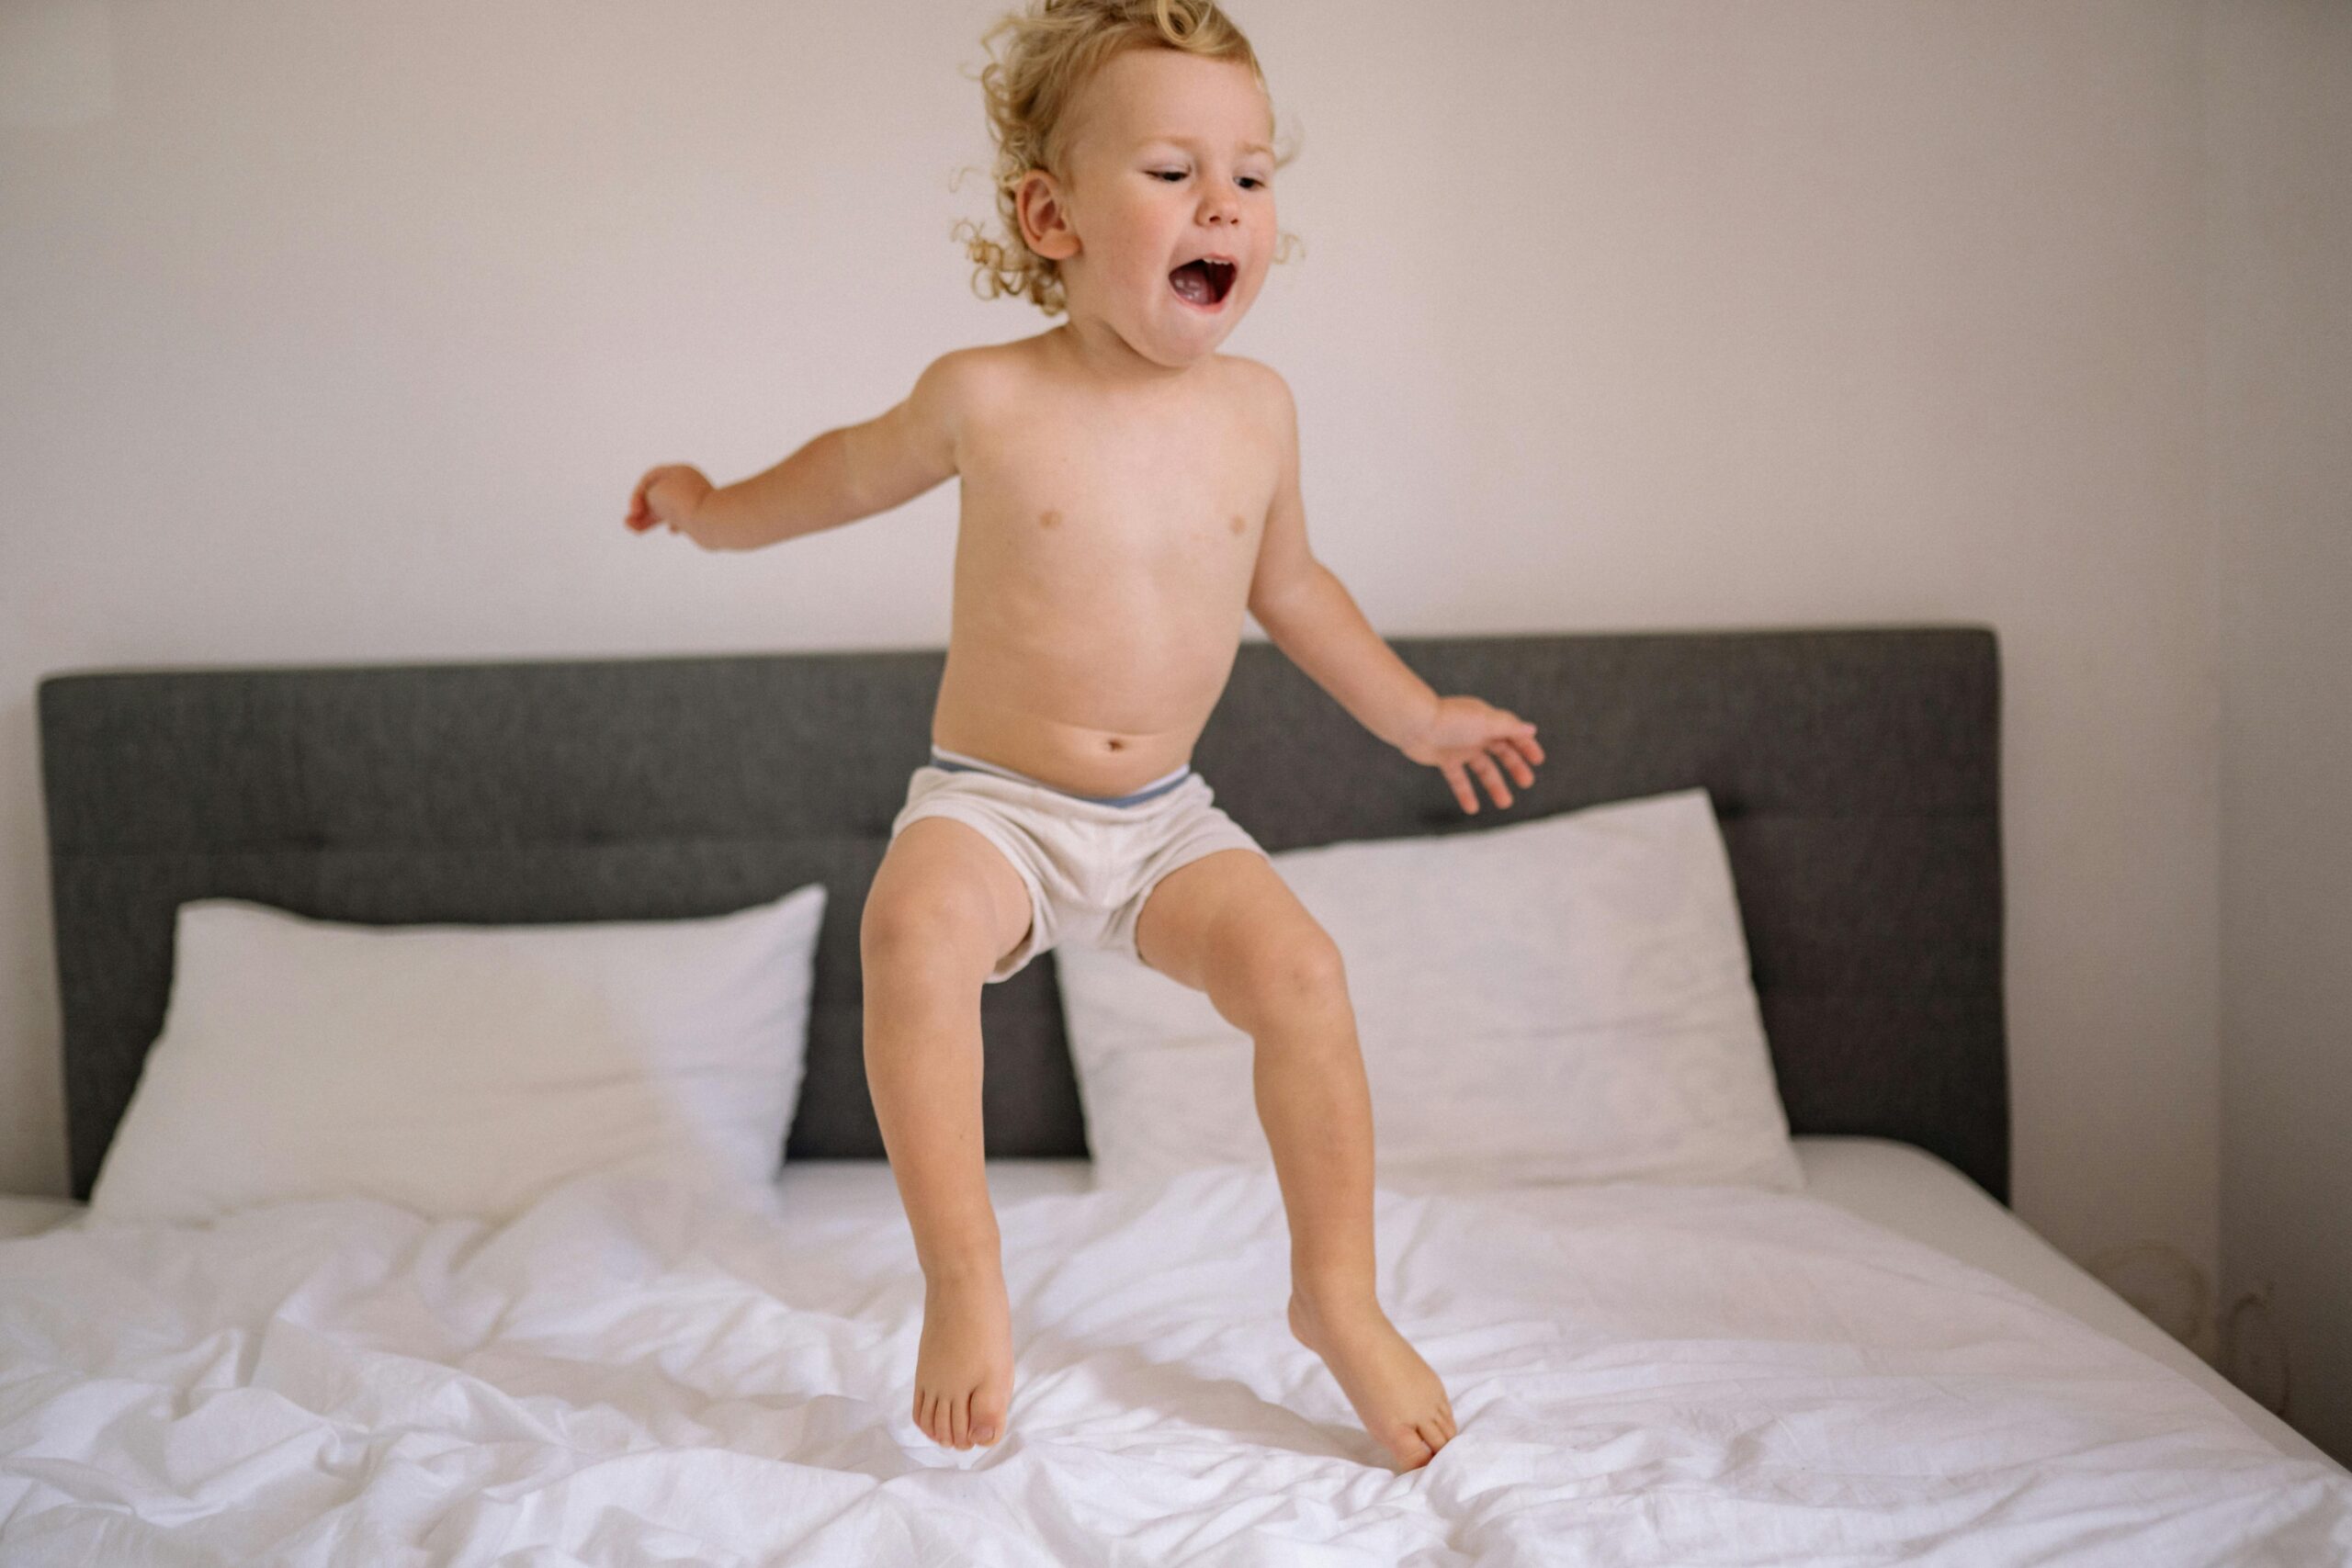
[[955, 762]]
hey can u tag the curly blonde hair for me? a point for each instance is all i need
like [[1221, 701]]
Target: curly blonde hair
[[1058, 46]]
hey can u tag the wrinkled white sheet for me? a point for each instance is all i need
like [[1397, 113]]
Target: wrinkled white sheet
[[633, 1373]]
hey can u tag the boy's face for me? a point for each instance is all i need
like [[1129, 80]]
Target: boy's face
[[1171, 162]]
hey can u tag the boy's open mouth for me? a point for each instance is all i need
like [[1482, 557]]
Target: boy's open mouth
[[1204, 283]]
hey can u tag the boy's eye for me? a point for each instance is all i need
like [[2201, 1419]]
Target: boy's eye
[[1251, 182]]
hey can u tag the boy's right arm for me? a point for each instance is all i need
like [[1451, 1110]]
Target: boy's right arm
[[844, 474]]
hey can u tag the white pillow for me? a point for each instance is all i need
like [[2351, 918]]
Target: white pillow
[[460, 1071], [1560, 1000]]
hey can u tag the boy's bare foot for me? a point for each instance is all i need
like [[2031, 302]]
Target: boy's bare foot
[[1398, 1397], [964, 1368]]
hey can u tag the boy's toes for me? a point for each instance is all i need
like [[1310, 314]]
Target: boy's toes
[[973, 1419], [935, 1415], [1417, 1444]]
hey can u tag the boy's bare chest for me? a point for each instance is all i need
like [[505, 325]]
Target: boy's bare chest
[[1167, 508]]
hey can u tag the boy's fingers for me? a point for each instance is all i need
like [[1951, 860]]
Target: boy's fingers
[[1493, 775], [1463, 793]]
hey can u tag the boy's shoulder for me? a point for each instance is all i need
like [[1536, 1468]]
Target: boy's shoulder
[[959, 369], [953, 385], [1256, 373], [1269, 395]]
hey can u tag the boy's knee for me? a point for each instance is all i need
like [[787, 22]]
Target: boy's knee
[[1298, 971], [941, 926]]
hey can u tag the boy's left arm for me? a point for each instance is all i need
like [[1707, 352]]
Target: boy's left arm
[[1309, 615]]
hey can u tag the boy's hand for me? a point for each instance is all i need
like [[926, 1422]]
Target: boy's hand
[[1465, 733], [668, 494]]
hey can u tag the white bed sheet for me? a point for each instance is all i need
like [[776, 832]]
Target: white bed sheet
[[1900, 1186], [631, 1373]]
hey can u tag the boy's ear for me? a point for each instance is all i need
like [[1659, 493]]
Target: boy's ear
[[1045, 226]]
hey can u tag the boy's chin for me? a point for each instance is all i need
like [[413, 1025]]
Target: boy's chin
[[1172, 334]]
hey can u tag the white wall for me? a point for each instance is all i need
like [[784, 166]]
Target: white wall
[[2280, 319], [339, 333]]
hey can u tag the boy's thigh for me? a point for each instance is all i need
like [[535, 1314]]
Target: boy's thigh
[[1207, 919], [948, 881]]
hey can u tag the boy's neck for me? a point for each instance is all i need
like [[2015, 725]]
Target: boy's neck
[[1091, 348]]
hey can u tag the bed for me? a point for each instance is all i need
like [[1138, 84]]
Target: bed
[[1888, 1367]]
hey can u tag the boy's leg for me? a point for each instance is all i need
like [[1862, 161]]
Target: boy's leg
[[944, 906], [1228, 925], [1276, 976]]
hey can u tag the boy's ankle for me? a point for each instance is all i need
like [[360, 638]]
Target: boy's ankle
[[978, 1264], [1334, 1290]]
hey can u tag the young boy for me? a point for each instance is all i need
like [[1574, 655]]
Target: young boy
[[1127, 493]]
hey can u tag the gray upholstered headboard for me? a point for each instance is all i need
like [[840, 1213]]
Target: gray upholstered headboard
[[1854, 770]]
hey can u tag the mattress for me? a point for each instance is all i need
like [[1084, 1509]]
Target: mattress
[[1887, 1368]]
